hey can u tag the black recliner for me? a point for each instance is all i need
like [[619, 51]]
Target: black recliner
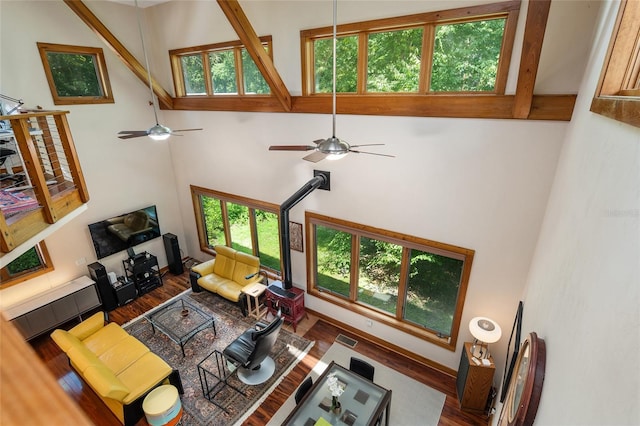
[[250, 352]]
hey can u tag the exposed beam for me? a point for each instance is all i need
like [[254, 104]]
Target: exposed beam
[[240, 23], [537, 15], [118, 48]]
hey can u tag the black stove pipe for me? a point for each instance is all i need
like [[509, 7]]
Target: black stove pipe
[[285, 237]]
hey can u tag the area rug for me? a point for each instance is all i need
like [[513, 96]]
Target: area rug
[[288, 351], [412, 403]]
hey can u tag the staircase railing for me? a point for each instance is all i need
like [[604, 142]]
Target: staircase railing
[[41, 180]]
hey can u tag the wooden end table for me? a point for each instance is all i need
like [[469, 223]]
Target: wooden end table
[[253, 293]]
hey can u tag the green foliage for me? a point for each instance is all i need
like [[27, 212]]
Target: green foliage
[[25, 262], [213, 223], [74, 74], [193, 74], [346, 65], [239, 227], [393, 63], [433, 280], [465, 56], [254, 82], [223, 72]]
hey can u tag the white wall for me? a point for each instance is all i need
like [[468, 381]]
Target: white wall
[[480, 184], [582, 293]]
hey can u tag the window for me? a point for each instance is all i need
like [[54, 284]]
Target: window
[[30, 264], [410, 283], [247, 225], [76, 75], [218, 69], [452, 51], [618, 94]]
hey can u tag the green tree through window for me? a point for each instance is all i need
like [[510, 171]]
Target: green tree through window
[[408, 282], [246, 225], [465, 56]]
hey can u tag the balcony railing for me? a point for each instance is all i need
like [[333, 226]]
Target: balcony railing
[[40, 176]]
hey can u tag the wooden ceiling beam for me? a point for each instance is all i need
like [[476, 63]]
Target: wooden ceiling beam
[[121, 52], [536, 24], [240, 23]]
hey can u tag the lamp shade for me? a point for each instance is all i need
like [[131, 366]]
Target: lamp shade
[[485, 329]]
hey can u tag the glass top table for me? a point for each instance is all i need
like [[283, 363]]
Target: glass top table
[[180, 321], [363, 402]]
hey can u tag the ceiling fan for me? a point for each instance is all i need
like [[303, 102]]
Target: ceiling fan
[[331, 148], [157, 132]]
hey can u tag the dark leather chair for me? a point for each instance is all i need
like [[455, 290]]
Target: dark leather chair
[[362, 368], [303, 389], [250, 352]]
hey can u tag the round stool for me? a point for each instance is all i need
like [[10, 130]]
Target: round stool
[[162, 406]]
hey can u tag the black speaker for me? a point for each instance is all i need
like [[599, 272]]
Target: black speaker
[[107, 295], [172, 249]]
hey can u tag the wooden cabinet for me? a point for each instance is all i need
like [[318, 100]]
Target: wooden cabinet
[[290, 302], [474, 381]]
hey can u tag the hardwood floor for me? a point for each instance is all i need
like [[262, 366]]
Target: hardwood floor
[[312, 328]]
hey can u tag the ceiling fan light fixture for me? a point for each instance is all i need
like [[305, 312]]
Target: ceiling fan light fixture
[[334, 147], [159, 132]]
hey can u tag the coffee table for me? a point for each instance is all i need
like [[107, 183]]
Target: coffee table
[[180, 321]]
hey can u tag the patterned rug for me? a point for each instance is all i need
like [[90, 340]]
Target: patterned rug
[[229, 323]]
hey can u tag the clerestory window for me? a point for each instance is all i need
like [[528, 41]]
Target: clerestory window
[[247, 225], [410, 283], [218, 69], [618, 94], [453, 51]]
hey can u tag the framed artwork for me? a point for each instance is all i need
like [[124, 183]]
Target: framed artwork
[[512, 351], [295, 232]]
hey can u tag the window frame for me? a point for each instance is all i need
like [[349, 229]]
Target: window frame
[[46, 265], [618, 92], [101, 73], [236, 46], [406, 241], [196, 194], [429, 20]]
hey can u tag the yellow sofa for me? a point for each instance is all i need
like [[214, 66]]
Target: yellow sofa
[[118, 367], [225, 275]]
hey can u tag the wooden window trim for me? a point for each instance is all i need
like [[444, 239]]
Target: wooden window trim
[[236, 46], [406, 241], [46, 266], [428, 21], [101, 74], [618, 93]]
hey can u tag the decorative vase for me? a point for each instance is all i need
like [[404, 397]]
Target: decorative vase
[[336, 408]]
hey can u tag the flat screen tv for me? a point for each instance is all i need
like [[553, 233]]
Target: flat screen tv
[[118, 233]]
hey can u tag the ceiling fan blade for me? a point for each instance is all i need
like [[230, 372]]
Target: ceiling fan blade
[[367, 144], [314, 157], [129, 134], [184, 130], [318, 141], [291, 148], [371, 153]]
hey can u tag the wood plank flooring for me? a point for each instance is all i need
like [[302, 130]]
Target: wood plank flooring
[[312, 328]]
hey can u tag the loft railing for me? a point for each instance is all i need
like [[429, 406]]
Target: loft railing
[[40, 176]]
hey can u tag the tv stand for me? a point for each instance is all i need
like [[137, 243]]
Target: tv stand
[[143, 271]]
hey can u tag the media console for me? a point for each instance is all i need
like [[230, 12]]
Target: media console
[[143, 271]]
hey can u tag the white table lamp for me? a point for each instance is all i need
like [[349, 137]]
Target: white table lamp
[[484, 330]]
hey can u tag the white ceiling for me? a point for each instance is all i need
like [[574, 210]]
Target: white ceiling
[[141, 3]]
